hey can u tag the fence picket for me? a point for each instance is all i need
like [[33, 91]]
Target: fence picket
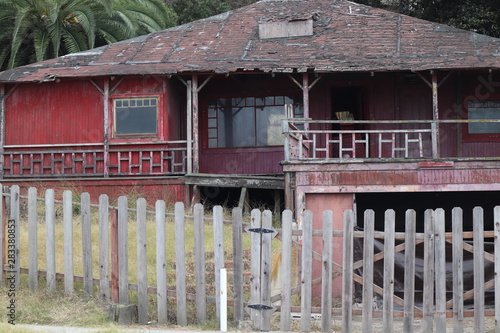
[[32, 239], [199, 264], [15, 216], [50, 240], [326, 286], [409, 284], [122, 250], [255, 315], [180, 264], [3, 236], [458, 283], [390, 222], [68, 241], [286, 270], [497, 267], [87, 244], [306, 278], [161, 262], [428, 297], [347, 271], [478, 229], [237, 231], [218, 226], [265, 269], [440, 269], [103, 246], [142, 263], [368, 251]]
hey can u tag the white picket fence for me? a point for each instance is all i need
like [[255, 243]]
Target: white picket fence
[[112, 282]]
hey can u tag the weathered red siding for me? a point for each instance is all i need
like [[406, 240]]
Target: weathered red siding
[[51, 113]]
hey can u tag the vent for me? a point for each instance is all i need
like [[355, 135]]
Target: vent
[[285, 29]]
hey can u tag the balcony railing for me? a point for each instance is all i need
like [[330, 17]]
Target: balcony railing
[[344, 141], [93, 160]]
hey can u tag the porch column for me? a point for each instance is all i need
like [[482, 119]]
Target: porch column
[[105, 94], [196, 143], [2, 127], [435, 116], [305, 94], [189, 126]]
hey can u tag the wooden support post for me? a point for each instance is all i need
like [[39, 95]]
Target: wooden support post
[[196, 142], [243, 202], [114, 256], [189, 126], [3, 97], [106, 127], [3, 233], [305, 92], [104, 247], [288, 191], [435, 116]]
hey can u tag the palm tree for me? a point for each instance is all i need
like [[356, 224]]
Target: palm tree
[[35, 30]]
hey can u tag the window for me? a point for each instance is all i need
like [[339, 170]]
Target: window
[[136, 117], [250, 121], [483, 110]]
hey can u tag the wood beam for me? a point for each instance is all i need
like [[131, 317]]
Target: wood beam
[[435, 116], [196, 143], [2, 128], [105, 93], [189, 125]]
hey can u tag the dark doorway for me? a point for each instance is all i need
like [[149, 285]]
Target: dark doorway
[[347, 103]]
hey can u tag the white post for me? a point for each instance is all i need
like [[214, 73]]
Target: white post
[[223, 300]]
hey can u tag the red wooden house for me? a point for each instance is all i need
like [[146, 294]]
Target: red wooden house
[[338, 105]]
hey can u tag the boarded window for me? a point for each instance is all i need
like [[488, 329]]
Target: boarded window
[[284, 29], [484, 110], [250, 121], [136, 116]]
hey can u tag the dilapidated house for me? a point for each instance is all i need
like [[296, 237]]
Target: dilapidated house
[[327, 104]]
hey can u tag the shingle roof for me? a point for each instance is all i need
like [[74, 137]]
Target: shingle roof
[[346, 37]]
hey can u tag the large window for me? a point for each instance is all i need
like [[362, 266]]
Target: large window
[[250, 121], [135, 117], [483, 110]]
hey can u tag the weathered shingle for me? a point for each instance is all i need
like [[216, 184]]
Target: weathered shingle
[[346, 37]]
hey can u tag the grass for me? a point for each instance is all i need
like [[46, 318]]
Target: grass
[[43, 307]]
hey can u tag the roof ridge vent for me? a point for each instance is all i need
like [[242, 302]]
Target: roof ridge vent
[[284, 29]]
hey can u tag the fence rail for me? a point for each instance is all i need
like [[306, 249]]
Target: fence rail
[[375, 292]]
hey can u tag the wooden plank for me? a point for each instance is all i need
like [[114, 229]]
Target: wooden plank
[[196, 125], [104, 247], [218, 252], [189, 126], [306, 278], [286, 270], [199, 264], [440, 269], [86, 244], [388, 306], [458, 278], [326, 286], [69, 286], [428, 296], [265, 269], [497, 267], [255, 315], [161, 262], [142, 263], [180, 264], [237, 224], [50, 239], [347, 272], [478, 229], [368, 251], [409, 284], [32, 239], [15, 219], [122, 250], [114, 257], [3, 234]]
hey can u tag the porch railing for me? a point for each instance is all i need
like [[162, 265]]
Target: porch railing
[[307, 139], [93, 160]]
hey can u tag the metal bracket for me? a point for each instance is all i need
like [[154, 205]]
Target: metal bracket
[[260, 307], [261, 230]]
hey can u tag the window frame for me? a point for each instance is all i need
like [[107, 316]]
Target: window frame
[[207, 128], [160, 114], [479, 137]]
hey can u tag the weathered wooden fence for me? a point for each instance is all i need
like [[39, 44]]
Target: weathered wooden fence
[[353, 308]]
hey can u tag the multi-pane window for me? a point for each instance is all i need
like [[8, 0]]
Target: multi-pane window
[[484, 110], [250, 121], [136, 116]]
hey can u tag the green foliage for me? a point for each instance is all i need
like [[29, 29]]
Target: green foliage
[[191, 10], [36, 30]]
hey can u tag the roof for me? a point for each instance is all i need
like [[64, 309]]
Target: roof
[[345, 36]]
